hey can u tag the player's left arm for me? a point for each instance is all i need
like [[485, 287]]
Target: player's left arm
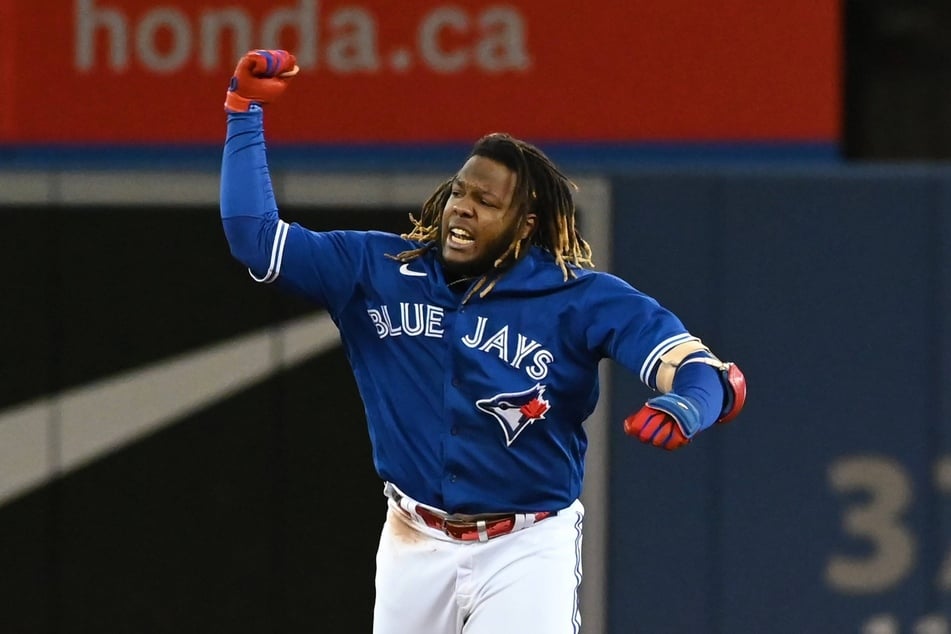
[[697, 390]]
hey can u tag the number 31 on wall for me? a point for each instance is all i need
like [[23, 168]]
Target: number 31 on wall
[[878, 520]]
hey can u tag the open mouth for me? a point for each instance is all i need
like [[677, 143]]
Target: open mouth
[[460, 237]]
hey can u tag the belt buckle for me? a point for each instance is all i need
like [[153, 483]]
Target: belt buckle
[[470, 530]]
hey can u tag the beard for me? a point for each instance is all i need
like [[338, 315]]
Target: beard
[[481, 263]]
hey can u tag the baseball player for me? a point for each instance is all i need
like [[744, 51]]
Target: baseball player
[[475, 340]]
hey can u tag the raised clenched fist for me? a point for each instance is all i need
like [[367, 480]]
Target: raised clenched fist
[[260, 77]]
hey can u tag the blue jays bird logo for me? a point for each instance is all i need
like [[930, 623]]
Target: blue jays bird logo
[[515, 411]]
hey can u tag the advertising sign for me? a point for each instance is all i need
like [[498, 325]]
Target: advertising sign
[[155, 71]]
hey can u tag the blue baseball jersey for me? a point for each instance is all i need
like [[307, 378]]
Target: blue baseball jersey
[[471, 408]]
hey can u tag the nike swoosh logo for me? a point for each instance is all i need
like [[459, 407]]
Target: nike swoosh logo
[[405, 271], [45, 439]]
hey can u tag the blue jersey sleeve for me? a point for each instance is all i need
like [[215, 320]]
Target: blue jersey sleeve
[[323, 267], [248, 209], [634, 329], [630, 326]]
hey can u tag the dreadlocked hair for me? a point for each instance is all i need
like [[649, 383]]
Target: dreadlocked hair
[[540, 188]]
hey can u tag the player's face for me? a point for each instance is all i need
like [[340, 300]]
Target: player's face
[[480, 218]]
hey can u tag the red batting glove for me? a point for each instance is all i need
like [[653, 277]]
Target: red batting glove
[[259, 78], [654, 427]]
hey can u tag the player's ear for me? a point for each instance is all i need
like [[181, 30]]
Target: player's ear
[[528, 225]]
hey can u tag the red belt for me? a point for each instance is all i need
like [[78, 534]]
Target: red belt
[[471, 527]]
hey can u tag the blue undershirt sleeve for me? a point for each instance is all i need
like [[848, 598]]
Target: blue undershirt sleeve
[[248, 208], [701, 383]]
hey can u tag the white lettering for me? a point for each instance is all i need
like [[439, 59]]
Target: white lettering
[[166, 39], [540, 370], [390, 329], [440, 60], [498, 341], [414, 320], [414, 327], [473, 340], [181, 40], [88, 20], [377, 320], [503, 48], [434, 321], [353, 47], [213, 27], [525, 346], [303, 21]]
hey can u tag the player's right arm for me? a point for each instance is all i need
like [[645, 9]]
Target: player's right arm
[[319, 265], [248, 208]]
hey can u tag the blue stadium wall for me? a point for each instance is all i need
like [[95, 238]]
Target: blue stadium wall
[[822, 509]]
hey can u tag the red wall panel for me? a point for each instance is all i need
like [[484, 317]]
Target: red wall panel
[[139, 71]]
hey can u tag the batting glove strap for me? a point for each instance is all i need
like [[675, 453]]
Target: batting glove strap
[[734, 386], [683, 410]]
